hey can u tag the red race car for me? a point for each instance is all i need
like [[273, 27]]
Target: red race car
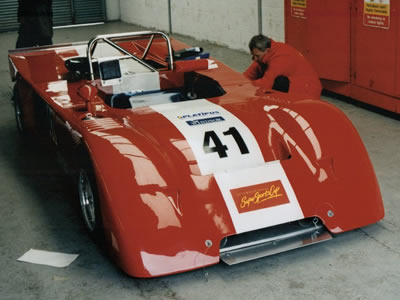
[[181, 162]]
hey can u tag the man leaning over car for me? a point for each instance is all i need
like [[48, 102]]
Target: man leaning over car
[[280, 67]]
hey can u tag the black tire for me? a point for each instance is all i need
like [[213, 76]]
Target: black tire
[[89, 201], [19, 114]]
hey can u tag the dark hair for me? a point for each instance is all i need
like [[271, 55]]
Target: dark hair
[[260, 41]]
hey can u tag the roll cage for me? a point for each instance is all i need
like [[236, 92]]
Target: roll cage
[[111, 40]]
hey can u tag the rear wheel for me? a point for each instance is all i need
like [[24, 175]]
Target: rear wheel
[[19, 115]]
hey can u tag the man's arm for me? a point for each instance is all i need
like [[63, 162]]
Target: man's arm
[[267, 81], [277, 66], [254, 71]]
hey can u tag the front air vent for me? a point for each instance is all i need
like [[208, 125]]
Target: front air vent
[[268, 241]]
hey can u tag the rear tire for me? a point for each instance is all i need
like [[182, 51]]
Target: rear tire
[[19, 114]]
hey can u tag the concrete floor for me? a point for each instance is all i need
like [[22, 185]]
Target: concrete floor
[[38, 210]]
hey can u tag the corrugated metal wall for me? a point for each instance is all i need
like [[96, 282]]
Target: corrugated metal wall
[[62, 12], [89, 11], [66, 12], [8, 15]]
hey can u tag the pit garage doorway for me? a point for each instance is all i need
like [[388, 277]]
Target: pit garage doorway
[[65, 12]]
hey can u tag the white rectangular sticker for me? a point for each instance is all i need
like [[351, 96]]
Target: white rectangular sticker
[[54, 259], [259, 197], [219, 140]]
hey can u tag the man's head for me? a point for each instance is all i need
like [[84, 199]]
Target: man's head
[[259, 45]]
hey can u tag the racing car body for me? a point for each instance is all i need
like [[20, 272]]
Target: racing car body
[[180, 161]]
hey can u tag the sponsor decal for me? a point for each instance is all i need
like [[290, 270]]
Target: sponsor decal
[[205, 121], [198, 114], [259, 196]]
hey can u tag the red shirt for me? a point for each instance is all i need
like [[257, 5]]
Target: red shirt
[[282, 59]]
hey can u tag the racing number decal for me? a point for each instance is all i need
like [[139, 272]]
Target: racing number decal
[[221, 149], [219, 139], [238, 139]]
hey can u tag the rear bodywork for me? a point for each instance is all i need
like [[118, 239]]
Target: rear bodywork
[[193, 163]]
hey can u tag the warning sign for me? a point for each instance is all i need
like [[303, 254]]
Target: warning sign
[[298, 8], [377, 13]]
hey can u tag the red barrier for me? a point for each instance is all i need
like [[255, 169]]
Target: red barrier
[[353, 44]]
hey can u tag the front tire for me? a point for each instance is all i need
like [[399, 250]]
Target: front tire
[[89, 202]]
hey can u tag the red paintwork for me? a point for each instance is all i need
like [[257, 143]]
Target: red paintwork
[[351, 58], [158, 210]]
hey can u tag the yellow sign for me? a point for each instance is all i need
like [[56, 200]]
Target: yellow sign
[[377, 13], [298, 8], [299, 3]]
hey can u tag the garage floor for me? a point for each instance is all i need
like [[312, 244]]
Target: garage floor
[[38, 209]]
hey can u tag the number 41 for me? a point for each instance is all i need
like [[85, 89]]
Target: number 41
[[221, 148]]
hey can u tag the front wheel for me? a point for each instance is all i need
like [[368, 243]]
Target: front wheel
[[89, 202]]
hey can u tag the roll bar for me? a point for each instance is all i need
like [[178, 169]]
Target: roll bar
[[107, 38]]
